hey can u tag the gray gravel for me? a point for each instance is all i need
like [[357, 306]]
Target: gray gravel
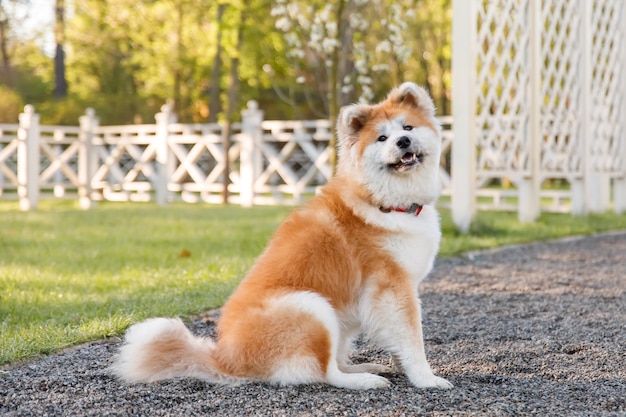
[[533, 329]]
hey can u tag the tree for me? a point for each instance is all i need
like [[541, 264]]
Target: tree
[[10, 18], [232, 100], [4, 48], [215, 104], [11, 105], [24, 69], [100, 69], [340, 46], [60, 83], [127, 57], [431, 64]]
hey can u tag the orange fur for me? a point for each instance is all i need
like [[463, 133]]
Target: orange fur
[[248, 349]]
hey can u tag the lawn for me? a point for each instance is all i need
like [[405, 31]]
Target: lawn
[[69, 276]]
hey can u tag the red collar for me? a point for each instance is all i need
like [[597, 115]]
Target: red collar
[[413, 208]]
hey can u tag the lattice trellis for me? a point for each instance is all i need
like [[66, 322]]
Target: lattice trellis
[[562, 147], [502, 98], [546, 100], [606, 95]]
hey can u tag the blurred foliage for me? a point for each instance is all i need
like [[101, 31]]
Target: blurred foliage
[[126, 58], [11, 105]]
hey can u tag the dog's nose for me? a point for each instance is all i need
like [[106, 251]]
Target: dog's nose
[[403, 142]]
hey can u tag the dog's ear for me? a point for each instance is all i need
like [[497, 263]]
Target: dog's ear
[[351, 120], [412, 95]]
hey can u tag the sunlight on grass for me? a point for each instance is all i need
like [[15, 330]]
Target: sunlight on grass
[[502, 228], [69, 276]]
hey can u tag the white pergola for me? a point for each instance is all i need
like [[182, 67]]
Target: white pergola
[[539, 93]]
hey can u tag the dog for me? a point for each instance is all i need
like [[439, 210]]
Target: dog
[[347, 262]]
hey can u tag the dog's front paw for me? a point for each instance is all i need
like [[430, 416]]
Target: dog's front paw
[[430, 380]]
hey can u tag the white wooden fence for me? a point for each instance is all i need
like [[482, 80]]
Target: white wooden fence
[[271, 162], [539, 95]]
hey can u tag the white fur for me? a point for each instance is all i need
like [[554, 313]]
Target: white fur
[[388, 325], [396, 189], [384, 321], [147, 331], [416, 248], [298, 369], [416, 241], [141, 338]]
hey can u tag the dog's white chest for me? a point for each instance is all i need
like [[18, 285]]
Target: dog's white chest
[[416, 247]]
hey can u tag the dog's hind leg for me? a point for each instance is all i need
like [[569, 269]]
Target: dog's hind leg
[[360, 380], [374, 368], [323, 347], [343, 355]]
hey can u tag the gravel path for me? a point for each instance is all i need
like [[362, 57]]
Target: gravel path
[[533, 329]]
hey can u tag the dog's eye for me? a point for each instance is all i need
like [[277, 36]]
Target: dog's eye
[[382, 138], [408, 127]]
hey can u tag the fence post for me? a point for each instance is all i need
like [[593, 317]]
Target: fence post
[[619, 182], [251, 139], [596, 182], [529, 207], [619, 191], [463, 169], [28, 158], [577, 190], [580, 186], [163, 120], [87, 157], [599, 192]]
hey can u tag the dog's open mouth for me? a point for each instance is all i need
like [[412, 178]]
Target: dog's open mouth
[[408, 160]]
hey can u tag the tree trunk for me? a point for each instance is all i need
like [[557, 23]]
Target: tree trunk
[[333, 91], [346, 59], [60, 82], [215, 106], [178, 53], [232, 104], [6, 73]]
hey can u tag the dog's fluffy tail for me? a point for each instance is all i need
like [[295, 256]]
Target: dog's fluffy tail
[[160, 348]]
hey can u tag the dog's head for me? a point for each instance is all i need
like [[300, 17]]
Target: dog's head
[[393, 148]]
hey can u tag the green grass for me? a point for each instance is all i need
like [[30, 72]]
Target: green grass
[[69, 276]]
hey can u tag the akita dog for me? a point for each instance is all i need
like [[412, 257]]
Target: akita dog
[[348, 262]]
